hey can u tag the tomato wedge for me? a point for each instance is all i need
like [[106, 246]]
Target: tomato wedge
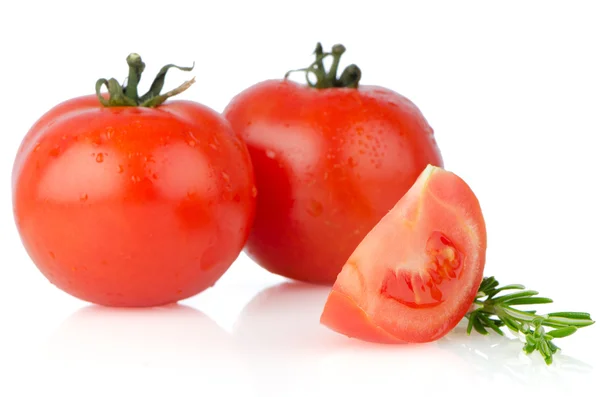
[[416, 273]]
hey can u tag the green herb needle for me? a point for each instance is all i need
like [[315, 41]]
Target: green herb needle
[[494, 308]]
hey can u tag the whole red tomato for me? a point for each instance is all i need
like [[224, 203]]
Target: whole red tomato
[[330, 159], [124, 200]]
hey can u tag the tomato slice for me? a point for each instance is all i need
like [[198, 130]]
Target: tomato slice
[[416, 273]]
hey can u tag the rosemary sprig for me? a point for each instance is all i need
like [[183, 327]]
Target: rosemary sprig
[[494, 308]]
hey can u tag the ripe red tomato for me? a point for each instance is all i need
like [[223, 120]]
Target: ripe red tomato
[[133, 204], [416, 273], [330, 160]]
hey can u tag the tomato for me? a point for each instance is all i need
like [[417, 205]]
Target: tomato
[[125, 203], [330, 160], [417, 272]]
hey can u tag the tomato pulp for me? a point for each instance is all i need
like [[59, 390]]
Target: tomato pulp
[[416, 273], [132, 205], [329, 163]]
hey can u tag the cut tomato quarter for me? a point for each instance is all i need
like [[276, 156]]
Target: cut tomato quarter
[[416, 273]]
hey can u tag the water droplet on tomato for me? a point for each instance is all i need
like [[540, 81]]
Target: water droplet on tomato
[[99, 157], [135, 178], [315, 208], [37, 147], [254, 191], [226, 195], [192, 143], [109, 132], [52, 255], [225, 176], [352, 162], [83, 197], [270, 154], [55, 151], [213, 146], [120, 169], [154, 176]]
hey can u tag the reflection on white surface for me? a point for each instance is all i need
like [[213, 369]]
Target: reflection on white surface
[[279, 335], [165, 336], [290, 353], [279, 348], [493, 357], [285, 318], [168, 350]]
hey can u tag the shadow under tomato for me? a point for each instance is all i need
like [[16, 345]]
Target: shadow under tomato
[[166, 350], [284, 318], [289, 352], [166, 336], [279, 335]]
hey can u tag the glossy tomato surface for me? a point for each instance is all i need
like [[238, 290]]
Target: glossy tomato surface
[[416, 273], [329, 164], [132, 206]]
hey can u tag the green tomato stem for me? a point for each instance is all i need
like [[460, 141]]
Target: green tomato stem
[[136, 67], [349, 78], [119, 95]]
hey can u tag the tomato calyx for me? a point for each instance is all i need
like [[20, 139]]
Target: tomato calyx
[[127, 95], [349, 78]]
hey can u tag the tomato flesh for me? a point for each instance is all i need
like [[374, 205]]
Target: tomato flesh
[[431, 286], [416, 273], [132, 206]]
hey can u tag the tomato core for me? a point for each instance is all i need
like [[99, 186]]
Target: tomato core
[[429, 287]]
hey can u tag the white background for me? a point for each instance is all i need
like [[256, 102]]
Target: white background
[[512, 90]]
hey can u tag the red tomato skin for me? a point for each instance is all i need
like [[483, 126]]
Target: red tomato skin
[[358, 305], [328, 163], [343, 315], [132, 206]]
